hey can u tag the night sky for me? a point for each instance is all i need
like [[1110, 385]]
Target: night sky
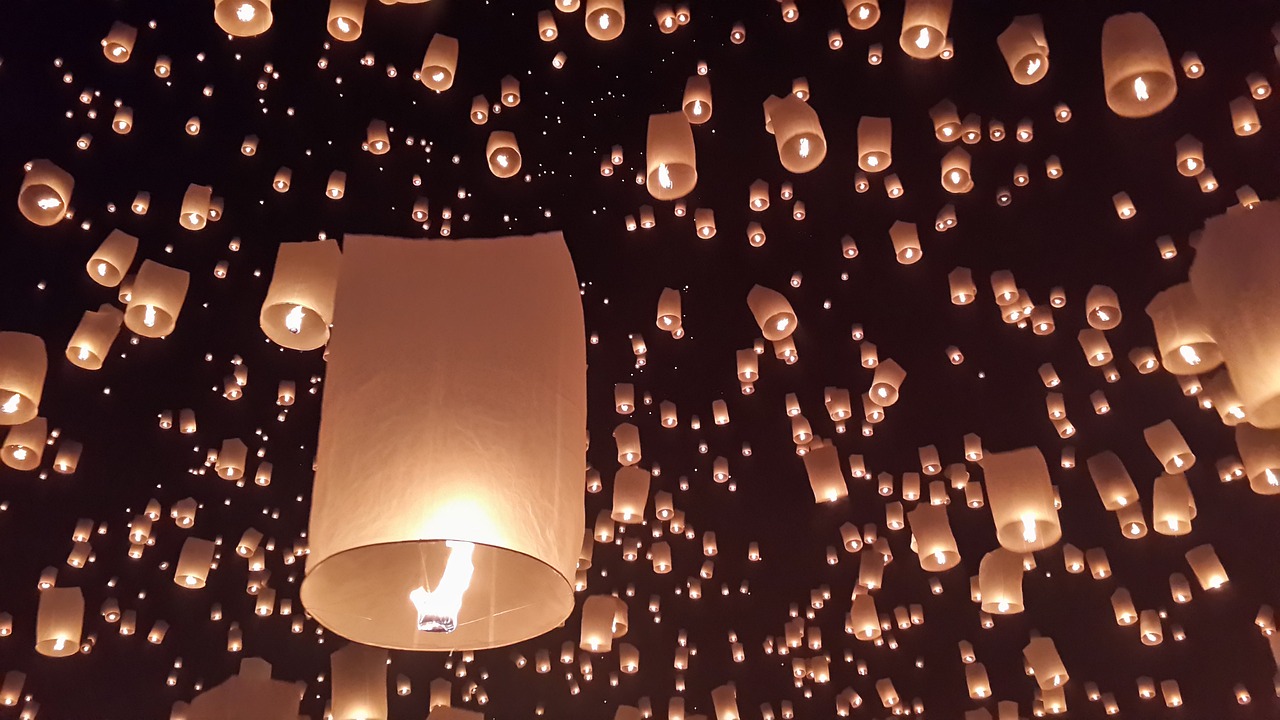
[[309, 99]]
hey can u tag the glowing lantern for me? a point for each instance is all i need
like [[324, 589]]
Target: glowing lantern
[[826, 478], [1022, 499], [886, 383], [359, 682], [59, 620], [935, 544], [24, 445], [1102, 308], [515, 525], [862, 14], [1260, 453], [1025, 50], [346, 19], [299, 304], [924, 28], [875, 143], [1000, 582], [1182, 334], [1208, 568], [669, 157], [45, 194], [1169, 447], [697, 99], [93, 337], [242, 18], [440, 63], [946, 121], [23, 364], [1244, 117], [1173, 507], [772, 312], [797, 132], [906, 242], [503, 154], [1137, 73], [605, 19], [955, 172]]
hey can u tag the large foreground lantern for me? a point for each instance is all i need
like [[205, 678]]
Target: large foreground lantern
[[1233, 277], [448, 508], [299, 304], [1136, 70]]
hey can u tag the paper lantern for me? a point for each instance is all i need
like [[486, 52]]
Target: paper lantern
[[1208, 568], [1169, 447], [1244, 117], [605, 19], [1190, 156], [1231, 279], [440, 63], [195, 207], [669, 157], [117, 46], [946, 121], [862, 14], [924, 28], [156, 299], [45, 195], [441, 510], [1173, 507], [359, 682], [826, 478], [935, 544], [547, 30], [630, 488], [886, 383], [23, 364], [242, 18], [92, 339], [346, 19], [1000, 582], [1112, 481], [875, 143], [1025, 50], [963, 289], [1137, 73], [1042, 657], [704, 221], [1183, 337], [697, 99], [1022, 499], [109, 263], [1102, 308], [906, 242], [193, 563], [503, 154], [1097, 350], [724, 700], [299, 305], [1260, 453], [59, 619], [24, 444], [797, 132], [955, 172], [772, 312], [975, 675]]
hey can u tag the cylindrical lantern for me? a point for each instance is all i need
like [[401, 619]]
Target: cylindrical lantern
[[1187, 346], [935, 544], [440, 63], [359, 677], [1208, 568], [886, 383], [118, 44], [797, 132], [946, 121], [1000, 582], [1173, 506], [92, 339], [23, 364], [1260, 454], [346, 19], [1022, 499], [924, 28], [875, 143], [24, 444], [1169, 447], [1137, 73], [955, 171], [156, 299], [1102, 308], [299, 305], [59, 619], [194, 563], [112, 259], [494, 530], [906, 242], [242, 18], [772, 312], [45, 195], [1025, 50], [672, 170], [1244, 117], [503, 154], [605, 19]]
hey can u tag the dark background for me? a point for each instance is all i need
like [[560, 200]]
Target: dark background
[[1055, 233]]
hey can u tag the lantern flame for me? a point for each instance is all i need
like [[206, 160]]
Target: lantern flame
[[343, 25], [804, 147], [48, 203], [1140, 89], [1033, 66], [10, 406], [1029, 528], [922, 41], [604, 21], [245, 13], [149, 316], [1189, 355], [293, 321], [438, 609], [664, 176]]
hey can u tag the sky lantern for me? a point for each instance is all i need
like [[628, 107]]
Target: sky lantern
[[1137, 73]]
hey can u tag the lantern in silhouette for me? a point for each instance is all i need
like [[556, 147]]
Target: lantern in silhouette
[[497, 542], [1137, 73]]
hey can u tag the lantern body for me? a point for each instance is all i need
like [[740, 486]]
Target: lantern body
[[24, 444], [440, 63], [1232, 278], [93, 337], [1025, 50], [935, 544], [697, 99], [875, 143], [1186, 345], [924, 28], [59, 620], [23, 364], [359, 682], [45, 194], [112, 259], [1137, 73], [772, 313], [156, 299], [797, 131], [670, 160], [299, 305], [605, 19], [346, 19], [1022, 499], [492, 449], [503, 153], [242, 18]]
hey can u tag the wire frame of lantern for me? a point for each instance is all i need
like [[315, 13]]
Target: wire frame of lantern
[[298, 308], [243, 18], [45, 195], [1137, 72], [670, 159], [440, 63]]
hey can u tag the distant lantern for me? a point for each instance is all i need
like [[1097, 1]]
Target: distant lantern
[[195, 207], [23, 364], [242, 18], [1191, 65], [1244, 117], [92, 339], [924, 27], [157, 297], [440, 63], [359, 682], [346, 19], [45, 194], [547, 30], [59, 620], [772, 312], [109, 263], [605, 19], [1233, 281], [672, 169], [1025, 49], [862, 14], [336, 188], [118, 44], [1022, 499], [503, 154], [946, 121], [376, 140], [497, 542], [1137, 73], [299, 305], [956, 176], [1208, 568], [1102, 308], [797, 132], [697, 99], [906, 242]]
